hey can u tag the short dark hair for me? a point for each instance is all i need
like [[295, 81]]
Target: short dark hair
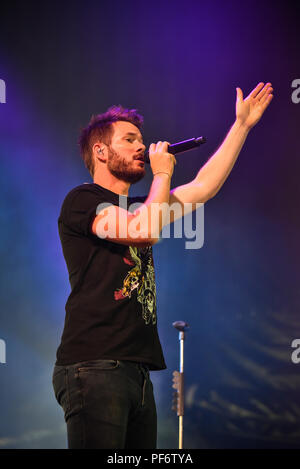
[[100, 128]]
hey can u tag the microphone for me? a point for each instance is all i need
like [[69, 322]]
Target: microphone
[[181, 147]]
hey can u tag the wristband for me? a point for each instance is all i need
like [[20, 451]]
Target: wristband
[[163, 172]]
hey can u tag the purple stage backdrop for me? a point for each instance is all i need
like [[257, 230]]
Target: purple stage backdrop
[[179, 64]]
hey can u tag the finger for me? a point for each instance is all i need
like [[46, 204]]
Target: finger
[[239, 94], [265, 101], [266, 95], [158, 145], [162, 147], [256, 90], [152, 148], [166, 146], [265, 90]]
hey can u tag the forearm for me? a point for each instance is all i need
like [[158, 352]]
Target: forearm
[[140, 227], [152, 212], [159, 190], [215, 172]]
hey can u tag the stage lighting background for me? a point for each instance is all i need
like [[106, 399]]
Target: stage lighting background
[[178, 63]]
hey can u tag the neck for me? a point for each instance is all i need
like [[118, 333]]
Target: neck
[[110, 182]]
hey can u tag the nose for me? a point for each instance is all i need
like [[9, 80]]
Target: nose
[[141, 147]]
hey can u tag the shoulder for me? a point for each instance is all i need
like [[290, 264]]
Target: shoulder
[[80, 206], [85, 193], [82, 189]]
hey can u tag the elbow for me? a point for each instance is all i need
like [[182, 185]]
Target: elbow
[[153, 241], [144, 239], [150, 235], [208, 194], [212, 194]]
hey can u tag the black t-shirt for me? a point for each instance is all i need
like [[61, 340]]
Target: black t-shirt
[[111, 310]]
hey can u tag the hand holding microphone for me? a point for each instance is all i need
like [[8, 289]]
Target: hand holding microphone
[[176, 148], [162, 162]]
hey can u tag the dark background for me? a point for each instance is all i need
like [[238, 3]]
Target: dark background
[[178, 63]]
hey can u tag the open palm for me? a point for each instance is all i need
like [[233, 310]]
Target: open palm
[[250, 110]]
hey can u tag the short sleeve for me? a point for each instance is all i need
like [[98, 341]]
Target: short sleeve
[[134, 202], [80, 209]]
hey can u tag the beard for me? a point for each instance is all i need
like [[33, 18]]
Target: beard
[[122, 169]]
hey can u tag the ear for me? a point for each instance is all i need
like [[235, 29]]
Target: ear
[[100, 152]]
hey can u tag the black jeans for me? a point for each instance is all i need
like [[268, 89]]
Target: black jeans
[[107, 404]]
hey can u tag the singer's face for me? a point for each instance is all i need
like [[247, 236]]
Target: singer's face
[[126, 153]]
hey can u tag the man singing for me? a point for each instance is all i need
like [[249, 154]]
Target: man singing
[[110, 340]]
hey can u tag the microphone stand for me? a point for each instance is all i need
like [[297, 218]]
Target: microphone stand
[[178, 380]]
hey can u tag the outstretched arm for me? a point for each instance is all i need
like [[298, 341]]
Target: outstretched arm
[[214, 173]]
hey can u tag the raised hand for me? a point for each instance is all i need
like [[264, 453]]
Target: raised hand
[[250, 110]]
